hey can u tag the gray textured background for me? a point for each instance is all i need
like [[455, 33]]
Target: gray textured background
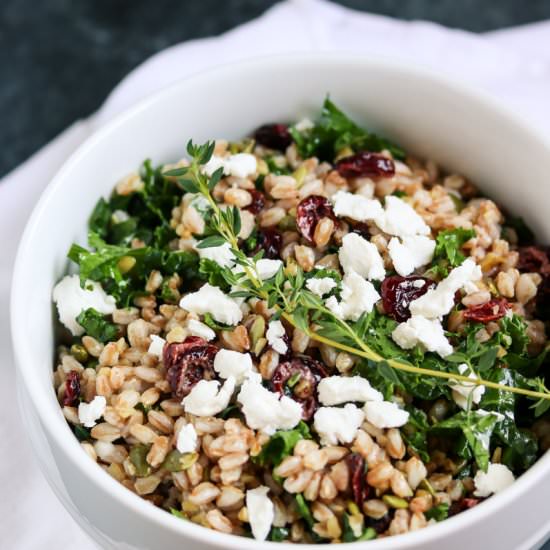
[[60, 58]]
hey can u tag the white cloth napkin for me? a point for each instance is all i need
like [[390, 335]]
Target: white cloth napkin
[[512, 64]]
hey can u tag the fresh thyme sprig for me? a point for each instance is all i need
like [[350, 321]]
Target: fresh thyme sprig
[[286, 292]]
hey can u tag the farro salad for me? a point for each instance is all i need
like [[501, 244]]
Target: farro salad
[[306, 336]]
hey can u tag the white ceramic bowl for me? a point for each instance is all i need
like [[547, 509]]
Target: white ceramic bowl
[[429, 115]]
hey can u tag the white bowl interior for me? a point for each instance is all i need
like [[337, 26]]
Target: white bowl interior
[[424, 113]]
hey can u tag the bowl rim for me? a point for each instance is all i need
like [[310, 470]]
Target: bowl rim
[[54, 423]]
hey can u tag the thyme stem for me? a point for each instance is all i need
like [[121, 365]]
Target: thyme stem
[[362, 350]]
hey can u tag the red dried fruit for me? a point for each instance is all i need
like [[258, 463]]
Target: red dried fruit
[[304, 373], [271, 242], [356, 467], [379, 525], [187, 363], [309, 212], [362, 229], [489, 311], [274, 136], [72, 389], [534, 259], [463, 504], [258, 201], [398, 292], [365, 164]]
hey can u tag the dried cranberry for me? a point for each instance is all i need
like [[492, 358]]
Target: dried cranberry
[[489, 311], [309, 212], [365, 164], [72, 389], [187, 363], [362, 229], [356, 467], [274, 136], [271, 242], [463, 504], [258, 201], [534, 259], [398, 292], [308, 373], [379, 525]]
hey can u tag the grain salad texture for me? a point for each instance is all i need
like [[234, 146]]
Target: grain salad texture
[[306, 336]]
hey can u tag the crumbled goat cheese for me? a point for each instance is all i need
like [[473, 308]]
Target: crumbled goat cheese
[[207, 398], [232, 363], [338, 424], [240, 165], [261, 511], [335, 390], [321, 286], [196, 328], [359, 255], [356, 207], [210, 299], [497, 478], [156, 346], [90, 413], [274, 335], [427, 332], [187, 439], [401, 219], [411, 253], [265, 410], [385, 414], [267, 268], [304, 125], [462, 391], [438, 301], [358, 297], [222, 255], [71, 299]]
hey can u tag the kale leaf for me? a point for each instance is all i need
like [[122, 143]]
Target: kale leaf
[[95, 325], [281, 444], [447, 253], [335, 131]]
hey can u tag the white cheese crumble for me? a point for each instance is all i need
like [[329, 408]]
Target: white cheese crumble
[[438, 301], [267, 268], [265, 410], [401, 219], [335, 390], [222, 255], [274, 335], [338, 424], [359, 255], [71, 299], [385, 414], [232, 363], [196, 328], [156, 346], [461, 391], [321, 286], [358, 296], [411, 253], [497, 478], [304, 125], [261, 511], [427, 332], [90, 413], [356, 207], [210, 299], [207, 398], [240, 165], [187, 439]]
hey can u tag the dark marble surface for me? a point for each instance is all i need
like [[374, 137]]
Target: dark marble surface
[[60, 58]]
